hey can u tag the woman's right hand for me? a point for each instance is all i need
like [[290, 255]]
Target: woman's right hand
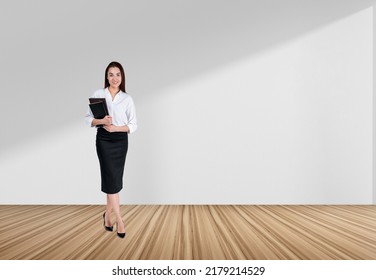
[[107, 120]]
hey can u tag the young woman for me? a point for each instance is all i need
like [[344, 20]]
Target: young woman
[[112, 140]]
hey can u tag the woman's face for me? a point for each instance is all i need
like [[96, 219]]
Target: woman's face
[[114, 77]]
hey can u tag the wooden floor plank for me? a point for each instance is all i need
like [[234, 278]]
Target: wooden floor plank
[[190, 232]]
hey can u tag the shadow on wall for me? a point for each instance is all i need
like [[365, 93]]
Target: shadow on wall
[[53, 55]]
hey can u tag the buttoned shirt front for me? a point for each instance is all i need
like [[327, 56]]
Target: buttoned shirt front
[[121, 109]]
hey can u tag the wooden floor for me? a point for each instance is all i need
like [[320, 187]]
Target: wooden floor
[[187, 232]]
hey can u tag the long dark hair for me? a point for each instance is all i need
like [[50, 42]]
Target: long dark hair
[[118, 65]]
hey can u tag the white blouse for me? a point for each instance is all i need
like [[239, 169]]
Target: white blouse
[[122, 109]]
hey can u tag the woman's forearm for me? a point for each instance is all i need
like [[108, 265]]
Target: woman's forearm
[[113, 128], [96, 122], [123, 128], [107, 120]]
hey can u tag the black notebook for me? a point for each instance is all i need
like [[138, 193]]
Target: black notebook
[[96, 100], [98, 107], [98, 110]]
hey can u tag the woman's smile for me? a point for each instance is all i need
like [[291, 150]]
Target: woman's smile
[[114, 77]]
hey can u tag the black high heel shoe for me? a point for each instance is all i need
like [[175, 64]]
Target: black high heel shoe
[[120, 234], [104, 223]]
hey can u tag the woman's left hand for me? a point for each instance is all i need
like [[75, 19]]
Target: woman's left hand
[[110, 128]]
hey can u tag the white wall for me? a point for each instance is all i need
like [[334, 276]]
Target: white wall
[[374, 106], [246, 103]]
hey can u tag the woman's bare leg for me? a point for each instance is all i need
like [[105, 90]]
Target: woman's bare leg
[[108, 212], [114, 201]]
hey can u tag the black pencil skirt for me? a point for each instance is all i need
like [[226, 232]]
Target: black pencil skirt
[[111, 150]]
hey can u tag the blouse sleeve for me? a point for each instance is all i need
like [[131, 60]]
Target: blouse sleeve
[[89, 117], [131, 115]]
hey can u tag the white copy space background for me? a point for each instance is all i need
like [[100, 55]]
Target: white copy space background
[[232, 108]]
